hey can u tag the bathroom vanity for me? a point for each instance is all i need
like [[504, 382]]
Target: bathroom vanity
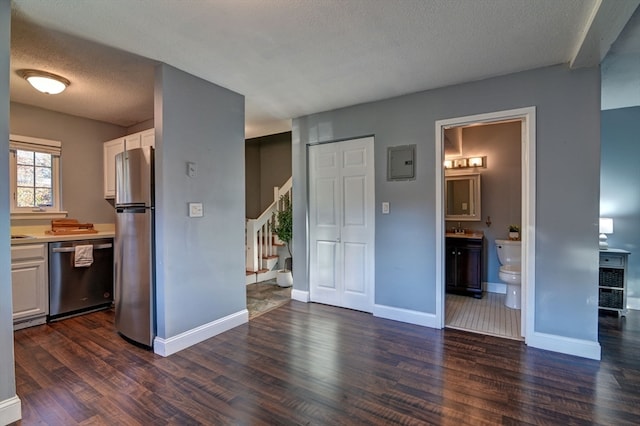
[[463, 263]]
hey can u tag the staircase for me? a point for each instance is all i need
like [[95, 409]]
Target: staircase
[[261, 244]]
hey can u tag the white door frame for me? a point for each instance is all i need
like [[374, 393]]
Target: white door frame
[[528, 156]]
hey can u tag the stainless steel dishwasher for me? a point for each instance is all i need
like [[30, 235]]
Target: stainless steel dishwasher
[[74, 290]]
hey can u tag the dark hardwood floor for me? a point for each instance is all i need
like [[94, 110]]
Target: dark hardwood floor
[[315, 364]]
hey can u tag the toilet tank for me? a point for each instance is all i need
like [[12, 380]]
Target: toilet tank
[[508, 252]]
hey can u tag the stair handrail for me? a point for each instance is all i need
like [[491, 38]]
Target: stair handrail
[[259, 239]]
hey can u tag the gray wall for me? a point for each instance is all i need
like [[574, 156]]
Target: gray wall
[[568, 129], [81, 161], [199, 261], [7, 369], [268, 162], [252, 179], [620, 185], [501, 185]]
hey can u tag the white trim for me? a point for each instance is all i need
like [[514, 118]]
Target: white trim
[[39, 215], [528, 229], [633, 302], [566, 345], [528, 118], [405, 315], [36, 145], [10, 410], [602, 28], [300, 295], [19, 140], [499, 288], [171, 345]]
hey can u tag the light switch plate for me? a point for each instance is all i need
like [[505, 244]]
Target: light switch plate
[[385, 207], [196, 210]]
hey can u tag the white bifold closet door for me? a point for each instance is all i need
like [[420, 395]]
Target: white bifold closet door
[[342, 223]]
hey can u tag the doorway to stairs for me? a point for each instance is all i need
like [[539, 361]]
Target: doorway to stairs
[[526, 118], [265, 296]]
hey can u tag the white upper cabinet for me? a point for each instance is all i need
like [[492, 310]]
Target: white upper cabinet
[[148, 138], [112, 148]]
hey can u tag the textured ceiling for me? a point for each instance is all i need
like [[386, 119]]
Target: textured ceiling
[[287, 57]]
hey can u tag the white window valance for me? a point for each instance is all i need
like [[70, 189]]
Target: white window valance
[[27, 143]]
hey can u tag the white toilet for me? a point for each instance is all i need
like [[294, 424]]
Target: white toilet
[[509, 256]]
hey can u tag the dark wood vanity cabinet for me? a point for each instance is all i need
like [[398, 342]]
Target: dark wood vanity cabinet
[[463, 265]]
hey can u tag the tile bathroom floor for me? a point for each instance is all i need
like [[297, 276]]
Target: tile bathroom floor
[[486, 316]]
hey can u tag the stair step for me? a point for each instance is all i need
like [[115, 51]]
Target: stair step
[[273, 256]]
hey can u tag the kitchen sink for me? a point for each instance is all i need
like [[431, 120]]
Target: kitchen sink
[[19, 236]]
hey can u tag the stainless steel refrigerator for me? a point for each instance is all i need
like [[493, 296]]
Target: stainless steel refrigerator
[[134, 252]]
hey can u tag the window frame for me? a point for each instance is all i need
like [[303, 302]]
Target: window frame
[[17, 142]]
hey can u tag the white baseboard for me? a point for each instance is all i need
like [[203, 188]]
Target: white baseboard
[[405, 315], [299, 295], [500, 288], [10, 410], [565, 345], [251, 279], [633, 303], [171, 345]]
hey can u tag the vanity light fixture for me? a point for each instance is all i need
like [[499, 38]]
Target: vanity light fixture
[[606, 227], [465, 163], [460, 163], [476, 162], [45, 82]]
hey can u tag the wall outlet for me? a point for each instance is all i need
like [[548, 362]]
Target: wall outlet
[[196, 210], [191, 169]]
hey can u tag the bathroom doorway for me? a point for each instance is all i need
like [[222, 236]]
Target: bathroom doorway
[[495, 153]]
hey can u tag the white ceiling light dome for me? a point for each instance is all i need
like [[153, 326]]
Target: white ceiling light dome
[[45, 82]]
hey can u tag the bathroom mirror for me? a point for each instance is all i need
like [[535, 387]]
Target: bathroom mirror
[[462, 197]]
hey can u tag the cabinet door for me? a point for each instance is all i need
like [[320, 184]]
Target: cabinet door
[[450, 266], [29, 286], [148, 138], [110, 149], [132, 141], [469, 268]]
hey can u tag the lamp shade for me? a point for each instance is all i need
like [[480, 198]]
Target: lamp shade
[[606, 225]]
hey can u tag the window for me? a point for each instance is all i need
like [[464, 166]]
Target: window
[[35, 177]]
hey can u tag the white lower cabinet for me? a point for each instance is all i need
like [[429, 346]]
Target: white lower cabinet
[[30, 284]]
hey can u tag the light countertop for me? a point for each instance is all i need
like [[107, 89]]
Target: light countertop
[[473, 235], [37, 234]]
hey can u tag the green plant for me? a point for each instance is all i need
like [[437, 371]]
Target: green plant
[[283, 223], [514, 228]]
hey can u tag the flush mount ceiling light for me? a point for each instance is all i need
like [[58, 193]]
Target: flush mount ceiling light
[[45, 82]]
